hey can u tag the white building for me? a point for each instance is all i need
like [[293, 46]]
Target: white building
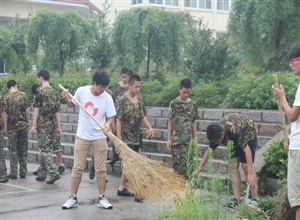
[[214, 13]]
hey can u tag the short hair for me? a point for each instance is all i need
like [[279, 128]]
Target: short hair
[[213, 131], [44, 73], [11, 83], [101, 78], [134, 78], [186, 83], [125, 70], [34, 88], [294, 51]]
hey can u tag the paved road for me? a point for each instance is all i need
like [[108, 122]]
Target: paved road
[[30, 199]]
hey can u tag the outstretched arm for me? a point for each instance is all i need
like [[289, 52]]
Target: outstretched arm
[[202, 163]]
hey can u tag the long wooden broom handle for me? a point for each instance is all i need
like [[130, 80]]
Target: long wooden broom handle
[[275, 81], [86, 111]]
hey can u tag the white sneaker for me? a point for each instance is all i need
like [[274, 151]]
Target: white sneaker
[[103, 203], [70, 203]]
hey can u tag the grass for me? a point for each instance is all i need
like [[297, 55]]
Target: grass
[[207, 200]]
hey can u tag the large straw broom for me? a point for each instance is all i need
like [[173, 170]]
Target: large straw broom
[[282, 209], [148, 178]]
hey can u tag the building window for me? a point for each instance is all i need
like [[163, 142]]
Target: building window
[[224, 5], [134, 2], [164, 2], [205, 4]]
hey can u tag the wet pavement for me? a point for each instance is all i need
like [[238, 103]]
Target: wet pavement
[[29, 199]]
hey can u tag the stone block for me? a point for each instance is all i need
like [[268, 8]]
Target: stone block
[[269, 129], [63, 118], [63, 108], [154, 112], [256, 116], [271, 117], [161, 123], [165, 112], [212, 114], [152, 122], [74, 128], [202, 125], [68, 150], [67, 127], [73, 118], [162, 148], [70, 110]]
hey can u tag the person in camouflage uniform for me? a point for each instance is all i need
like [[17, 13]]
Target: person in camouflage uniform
[[119, 90], [241, 130], [47, 119], [15, 116], [3, 170], [182, 127], [131, 114], [57, 149]]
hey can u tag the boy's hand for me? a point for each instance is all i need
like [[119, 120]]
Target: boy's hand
[[5, 130], [169, 145], [251, 179], [65, 93], [286, 146], [58, 132], [149, 133], [33, 130], [278, 93]]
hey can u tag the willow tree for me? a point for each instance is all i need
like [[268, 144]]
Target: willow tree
[[7, 54], [153, 34], [60, 35], [264, 31]]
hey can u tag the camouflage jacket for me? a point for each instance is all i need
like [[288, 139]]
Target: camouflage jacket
[[15, 105], [238, 128], [119, 91], [183, 114], [48, 102], [131, 115]]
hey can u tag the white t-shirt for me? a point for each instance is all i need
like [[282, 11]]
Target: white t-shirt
[[101, 107], [295, 127]]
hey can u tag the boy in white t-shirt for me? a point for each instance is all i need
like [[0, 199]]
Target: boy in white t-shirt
[[99, 103], [293, 146]]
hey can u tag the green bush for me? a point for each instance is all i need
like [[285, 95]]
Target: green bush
[[276, 158], [254, 92]]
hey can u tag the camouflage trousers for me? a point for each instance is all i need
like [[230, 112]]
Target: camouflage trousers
[[179, 158], [18, 151], [46, 142], [3, 170]]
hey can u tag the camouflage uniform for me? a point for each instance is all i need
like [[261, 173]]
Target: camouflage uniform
[[239, 129], [3, 170], [131, 115], [48, 102], [183, 114], [119, 91], [15, 105]]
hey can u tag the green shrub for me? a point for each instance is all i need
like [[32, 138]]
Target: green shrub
[[254, 92], [276, 158]]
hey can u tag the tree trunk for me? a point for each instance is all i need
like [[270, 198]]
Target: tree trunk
[[277, 45], [148, 59], [62, 63]]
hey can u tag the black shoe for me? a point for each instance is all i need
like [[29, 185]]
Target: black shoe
[[11, 176], [113, 160], [40, 179], [61, 169], [36, 172], [22, 176], [92, 173], [53, 179], [125, 192], [4, 180]]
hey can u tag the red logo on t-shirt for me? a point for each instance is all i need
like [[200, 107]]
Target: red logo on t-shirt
[[88, 104]]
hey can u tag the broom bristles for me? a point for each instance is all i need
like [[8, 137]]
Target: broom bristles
[[282, 209], [148, 178]]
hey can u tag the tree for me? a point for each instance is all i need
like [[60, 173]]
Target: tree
[[205, 57], [264, 31], [6, 51], [17, 42], [99, 47], [61, 36], [152, 33]]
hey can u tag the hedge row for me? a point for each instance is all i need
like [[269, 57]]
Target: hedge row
[[242, 91]]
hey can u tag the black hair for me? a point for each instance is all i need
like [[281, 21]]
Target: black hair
[[186, 83], [125, 70], [44, 73], [294, 52], [213, 131], [11, 83], [101, 78], [34, 88], [134, 78]]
